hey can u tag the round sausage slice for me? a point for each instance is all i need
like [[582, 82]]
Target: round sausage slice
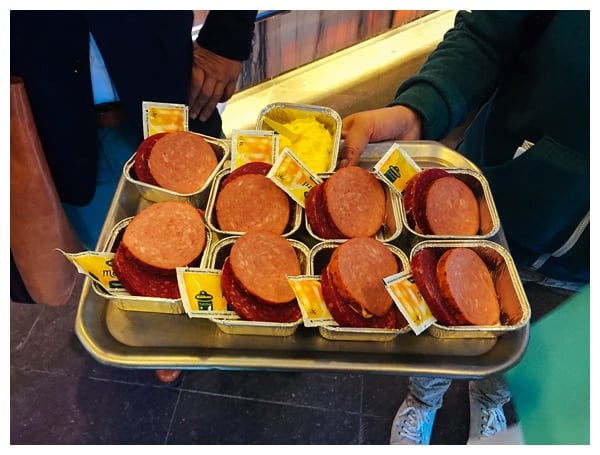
[[251, 309], [467, 286], [357, 268], [451, 208], [261, 262], [347, 316], [355, 202], [166, 235], [252, 202], [182, 162]]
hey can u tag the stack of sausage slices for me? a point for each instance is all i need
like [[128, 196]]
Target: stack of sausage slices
[[160, 238], [179, 161]]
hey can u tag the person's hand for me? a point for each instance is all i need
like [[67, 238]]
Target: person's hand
[[388, 123], [214, 80]]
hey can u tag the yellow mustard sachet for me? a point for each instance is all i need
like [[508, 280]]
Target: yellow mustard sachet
[[98, 266], [397, 167], [409, 301]]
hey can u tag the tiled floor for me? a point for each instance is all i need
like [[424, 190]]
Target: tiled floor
[[59, 394]]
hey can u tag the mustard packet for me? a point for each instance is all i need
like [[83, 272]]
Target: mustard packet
[[409, 301], [307, 289], [201, 295], [397, 167], [164, 118], [292, 176], [253, 145], [98, 266]]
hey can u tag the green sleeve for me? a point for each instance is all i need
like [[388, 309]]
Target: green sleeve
[[464, 69]]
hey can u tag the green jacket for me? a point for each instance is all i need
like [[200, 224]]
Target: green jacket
[[527, 75]]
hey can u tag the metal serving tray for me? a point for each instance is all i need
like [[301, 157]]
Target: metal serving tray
[[133, 339]]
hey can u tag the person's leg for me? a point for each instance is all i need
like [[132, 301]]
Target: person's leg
[[414, 420], [486, 398]]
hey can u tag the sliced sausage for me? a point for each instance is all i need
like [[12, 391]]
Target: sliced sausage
[[415, 188], [355, 202], [357, 268], [451, 208], [137, 280], [467, 286], [316, 215], [252, 202], [182, 162], [261, 262], [251, 309], [423, 266], [166, 235], [140, 160], [348, 316], [254, 167]]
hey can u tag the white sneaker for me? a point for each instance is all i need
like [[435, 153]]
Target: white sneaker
[[413, 423], [485, 421]]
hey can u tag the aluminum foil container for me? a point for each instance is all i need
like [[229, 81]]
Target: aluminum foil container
[[392, 223], [127, 302], [199, 198], [215, 259], [489, 220], [294, 222], [319, 257], [287, 112], [515, 311]]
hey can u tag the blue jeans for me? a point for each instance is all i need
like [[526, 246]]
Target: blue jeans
[[116, 146], [430, 391]]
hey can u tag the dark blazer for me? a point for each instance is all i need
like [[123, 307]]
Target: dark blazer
[[148, 55]]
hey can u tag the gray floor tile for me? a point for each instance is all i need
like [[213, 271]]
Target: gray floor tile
[[56, 409], [321, 390], [209, 419]]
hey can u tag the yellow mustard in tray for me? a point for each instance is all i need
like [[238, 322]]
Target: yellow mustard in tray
[[314, 145]]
